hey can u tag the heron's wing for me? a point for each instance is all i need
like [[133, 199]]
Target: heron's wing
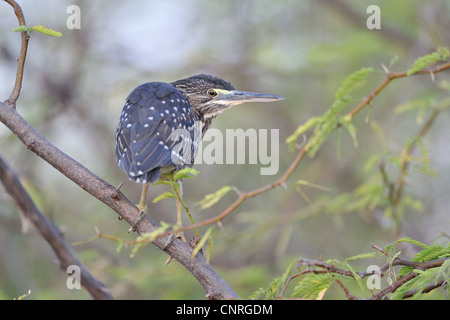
[[155, 127]]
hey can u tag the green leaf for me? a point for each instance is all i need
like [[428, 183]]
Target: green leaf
[[444, 272], [356, 276], [185, 173], [346, 122], [412, 241], [21, 29], [354, 80], [313, 286], [212, 198], [292, 139], [272, 289], [119, 246], [149, 237], [165, 195], [419, 283], [165, 182], [362, 256], [46, 31], [441, 54], [208, 251], [270, 292], [427, 254], [257, 294], [38, 28], [400, 292]]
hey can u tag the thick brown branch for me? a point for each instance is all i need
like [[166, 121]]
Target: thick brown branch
[[49, 232], [214, 285]]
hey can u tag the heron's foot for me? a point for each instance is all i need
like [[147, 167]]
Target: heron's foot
[[171, 238], [142, 214], [142, 207]]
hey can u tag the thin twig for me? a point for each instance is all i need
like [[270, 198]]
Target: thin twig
[[21, 60], [346, 291], [390, 77]]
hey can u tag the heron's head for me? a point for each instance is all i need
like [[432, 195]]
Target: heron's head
[[210, 96]]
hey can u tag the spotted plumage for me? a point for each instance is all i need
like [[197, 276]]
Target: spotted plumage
[[162, 124], [156, 117]]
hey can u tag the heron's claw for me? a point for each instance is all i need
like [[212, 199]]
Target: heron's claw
[[142, 214]]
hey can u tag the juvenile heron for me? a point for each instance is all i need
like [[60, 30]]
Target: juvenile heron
[[162, 124]]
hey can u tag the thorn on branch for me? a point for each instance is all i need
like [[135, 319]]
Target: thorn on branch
[[386, 70], [115, 193], [432, 76], [21, 59], [380, 249], [120, 185], [303, 144]]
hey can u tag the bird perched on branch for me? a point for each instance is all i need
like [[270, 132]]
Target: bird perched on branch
[[162, 124]]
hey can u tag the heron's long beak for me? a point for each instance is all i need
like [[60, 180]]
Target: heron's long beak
[[237, 97]]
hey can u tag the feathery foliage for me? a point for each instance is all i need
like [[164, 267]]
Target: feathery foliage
[[38, 28]]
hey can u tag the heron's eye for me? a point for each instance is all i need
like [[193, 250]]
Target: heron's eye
[[212, 93]]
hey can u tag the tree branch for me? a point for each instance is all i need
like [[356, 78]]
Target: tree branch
[[390, 77], [331, 268], [21, 60], [214, 285], [49, 231]]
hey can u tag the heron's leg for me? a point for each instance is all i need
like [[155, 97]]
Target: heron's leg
[[180, 234], [142, 206], [179, 223], [179, 203]]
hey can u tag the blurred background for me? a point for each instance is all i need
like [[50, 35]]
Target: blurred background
[[75, 86]]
